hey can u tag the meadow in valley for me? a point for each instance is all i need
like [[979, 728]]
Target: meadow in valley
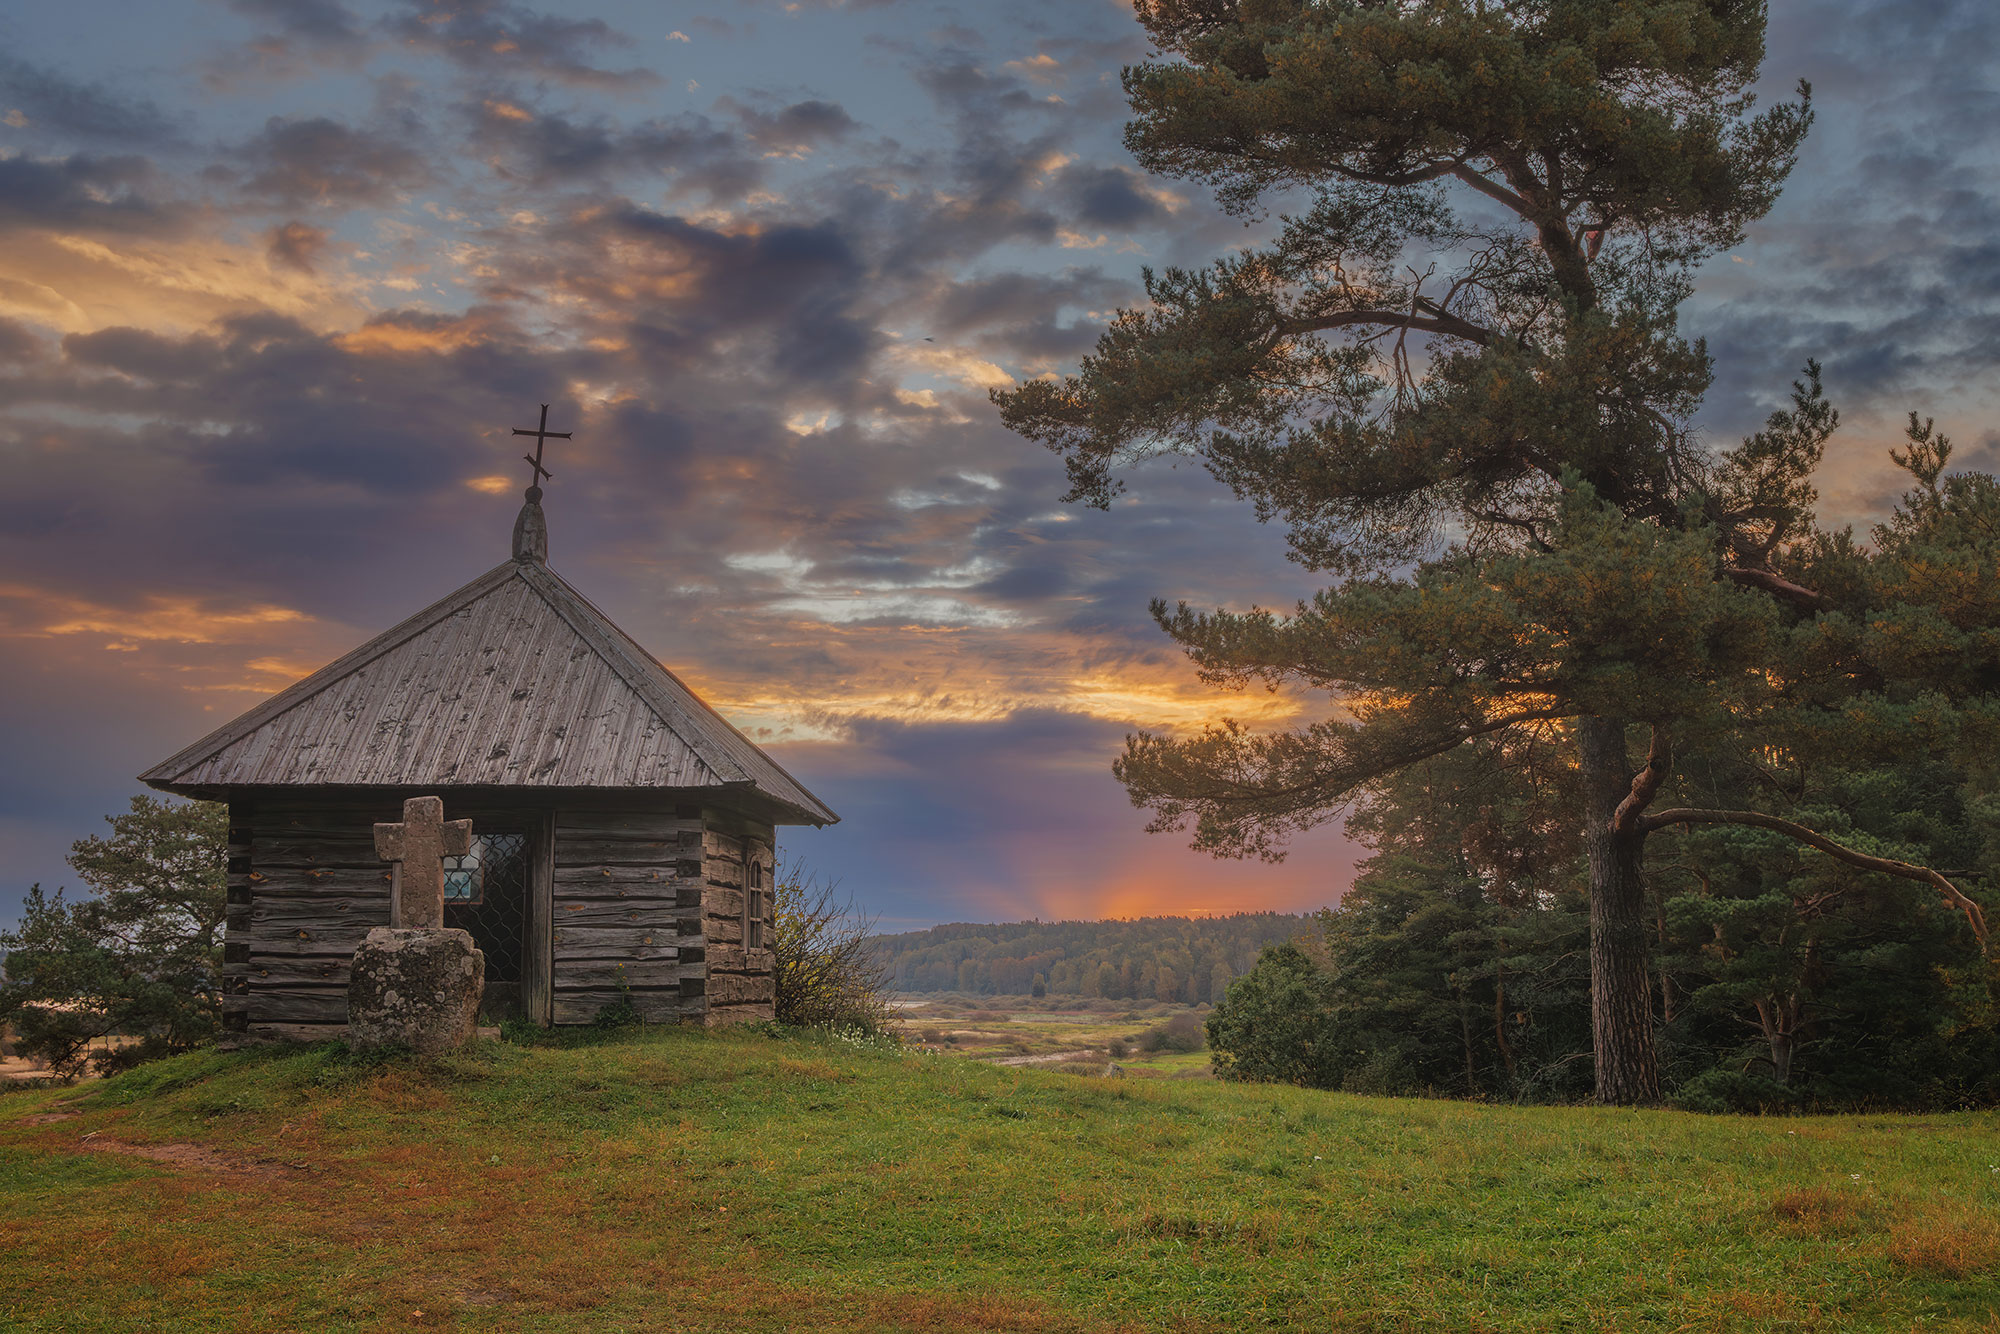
[[1077, 1035]]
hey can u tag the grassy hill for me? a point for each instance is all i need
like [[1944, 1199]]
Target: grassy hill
[[672, 1179]]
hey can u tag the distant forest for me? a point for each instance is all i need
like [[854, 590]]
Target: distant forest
[[1189, 959]]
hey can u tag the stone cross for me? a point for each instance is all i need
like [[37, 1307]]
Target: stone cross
[[418, 847]]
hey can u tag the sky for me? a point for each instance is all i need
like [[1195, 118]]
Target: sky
[[277, 278]]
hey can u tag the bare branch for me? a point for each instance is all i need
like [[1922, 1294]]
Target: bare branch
[[1885, 865], [1527, 526], [1441, 323]]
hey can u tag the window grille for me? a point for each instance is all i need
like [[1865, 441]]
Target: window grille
[[486, 895]]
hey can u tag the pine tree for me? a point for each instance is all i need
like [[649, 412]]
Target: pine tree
[[140, 956], [1460, 358]]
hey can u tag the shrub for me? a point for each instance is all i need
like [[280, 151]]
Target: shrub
[[1275, 1024], [1181, 1033], [1718, 1091], [827, 976]]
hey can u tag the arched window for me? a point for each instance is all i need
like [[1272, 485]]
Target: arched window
[[756, 898]]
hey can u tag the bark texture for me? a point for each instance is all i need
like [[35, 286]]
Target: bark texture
[[1627, 1062]]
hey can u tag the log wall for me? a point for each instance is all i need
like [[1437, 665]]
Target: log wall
[[627, 919], [741, 985], [635, 905], [310, 887], [236, 923]]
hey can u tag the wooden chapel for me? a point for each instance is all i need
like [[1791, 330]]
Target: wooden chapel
[[623, 831]]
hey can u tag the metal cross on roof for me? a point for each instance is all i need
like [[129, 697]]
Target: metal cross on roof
[[542, 435]]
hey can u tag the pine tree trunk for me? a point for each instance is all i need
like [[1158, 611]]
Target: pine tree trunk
[[1621, 986], [1500, 1019]]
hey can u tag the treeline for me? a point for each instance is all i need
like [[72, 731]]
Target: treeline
[[1188, 959], [1459, 964]]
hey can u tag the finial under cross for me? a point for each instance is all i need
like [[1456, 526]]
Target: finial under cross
[[542, 435]]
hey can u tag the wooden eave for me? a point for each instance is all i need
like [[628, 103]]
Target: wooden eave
[[340, 729]]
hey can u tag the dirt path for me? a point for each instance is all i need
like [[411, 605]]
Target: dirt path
[[191, 1157], [1049, 1059]]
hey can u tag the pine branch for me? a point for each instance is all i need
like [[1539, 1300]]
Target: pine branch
[[1443, 322], [1776, 585], [1645, 785], [1923, 875], [1487, 187]]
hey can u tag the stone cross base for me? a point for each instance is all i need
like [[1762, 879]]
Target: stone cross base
[[415, 987]]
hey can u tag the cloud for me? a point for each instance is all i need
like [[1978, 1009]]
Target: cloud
[[1878, 260], [800, 6], [179, 279], [1040, 68], [295, 245], [541, 148], [85, 194], [1025, 313], [791, 131], [490, 37], [1115, 197], [963, 87], [62, 110], [29, 612], [143, 354], [770, 328], [325, 23], [319, 162], [20, 345], [294, 37]]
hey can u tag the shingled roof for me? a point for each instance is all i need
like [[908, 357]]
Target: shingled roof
[[514, 681]]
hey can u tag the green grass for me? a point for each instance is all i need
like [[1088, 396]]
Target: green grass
[[671, 1179]]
